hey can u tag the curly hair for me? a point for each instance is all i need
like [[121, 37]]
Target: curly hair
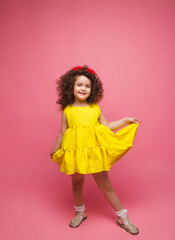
[[65, 87]]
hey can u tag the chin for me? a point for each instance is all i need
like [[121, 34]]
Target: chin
[[83, 99]]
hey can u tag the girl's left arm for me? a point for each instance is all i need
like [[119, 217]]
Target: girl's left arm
[[117, 124]]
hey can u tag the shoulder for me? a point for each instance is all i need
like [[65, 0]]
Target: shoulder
[[96, 107], [66, 109]]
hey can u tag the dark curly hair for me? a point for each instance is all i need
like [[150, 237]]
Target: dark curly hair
[[65, 87]]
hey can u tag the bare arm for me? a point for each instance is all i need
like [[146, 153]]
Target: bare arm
[[63, 128], [117, 124]]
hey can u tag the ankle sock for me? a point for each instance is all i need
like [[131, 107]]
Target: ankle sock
[[79, 208], [122, 214]]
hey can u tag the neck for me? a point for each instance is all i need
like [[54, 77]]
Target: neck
[[80, 103]]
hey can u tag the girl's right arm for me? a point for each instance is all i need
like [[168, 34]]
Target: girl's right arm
[[64, 127]]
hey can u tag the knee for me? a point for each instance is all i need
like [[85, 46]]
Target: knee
[[103, 182], [77, 184], [106, 189]]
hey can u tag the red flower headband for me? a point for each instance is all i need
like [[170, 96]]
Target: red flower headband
[[87, 69]]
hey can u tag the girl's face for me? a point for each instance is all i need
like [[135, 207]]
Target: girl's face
[[82, 88]]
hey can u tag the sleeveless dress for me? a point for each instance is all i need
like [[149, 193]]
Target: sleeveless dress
[[88, 146]]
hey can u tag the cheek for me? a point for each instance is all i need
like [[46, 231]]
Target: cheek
[[89, 91], [75, 89]]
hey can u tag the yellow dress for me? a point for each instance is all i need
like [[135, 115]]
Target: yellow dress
[[88, 146]]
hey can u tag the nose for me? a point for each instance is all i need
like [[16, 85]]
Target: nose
[[83, 87]]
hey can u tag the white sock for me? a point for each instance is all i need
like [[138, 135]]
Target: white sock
[[122, 214], [79, 208]]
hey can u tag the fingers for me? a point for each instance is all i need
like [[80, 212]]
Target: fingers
[[138, 120], [134, 120], [51, 154]]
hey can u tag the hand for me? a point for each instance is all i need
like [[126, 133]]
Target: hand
[[53, 151], [132, 120]]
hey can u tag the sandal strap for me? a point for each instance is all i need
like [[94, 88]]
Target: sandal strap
[[130, 227], [78, 218]]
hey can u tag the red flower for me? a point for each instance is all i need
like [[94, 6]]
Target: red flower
[[76, 68], [90, 71], [87, 69]]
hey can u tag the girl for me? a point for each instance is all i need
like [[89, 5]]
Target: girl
[[87, 144]]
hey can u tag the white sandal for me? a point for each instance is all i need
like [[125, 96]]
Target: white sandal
[[131, 228], [78, 219]]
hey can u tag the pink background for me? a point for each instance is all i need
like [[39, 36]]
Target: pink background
[[130, 44]]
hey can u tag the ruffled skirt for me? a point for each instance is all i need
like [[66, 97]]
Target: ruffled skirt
[[93, 148]]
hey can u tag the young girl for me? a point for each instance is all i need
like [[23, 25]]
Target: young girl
[[87, 144]]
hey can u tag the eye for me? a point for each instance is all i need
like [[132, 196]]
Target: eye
[[88, 86]]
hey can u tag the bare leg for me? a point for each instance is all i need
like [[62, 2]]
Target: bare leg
[[104, 184], [106, 188], [77, 187]]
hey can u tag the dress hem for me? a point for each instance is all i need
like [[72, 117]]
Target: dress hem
[[104, 170]]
